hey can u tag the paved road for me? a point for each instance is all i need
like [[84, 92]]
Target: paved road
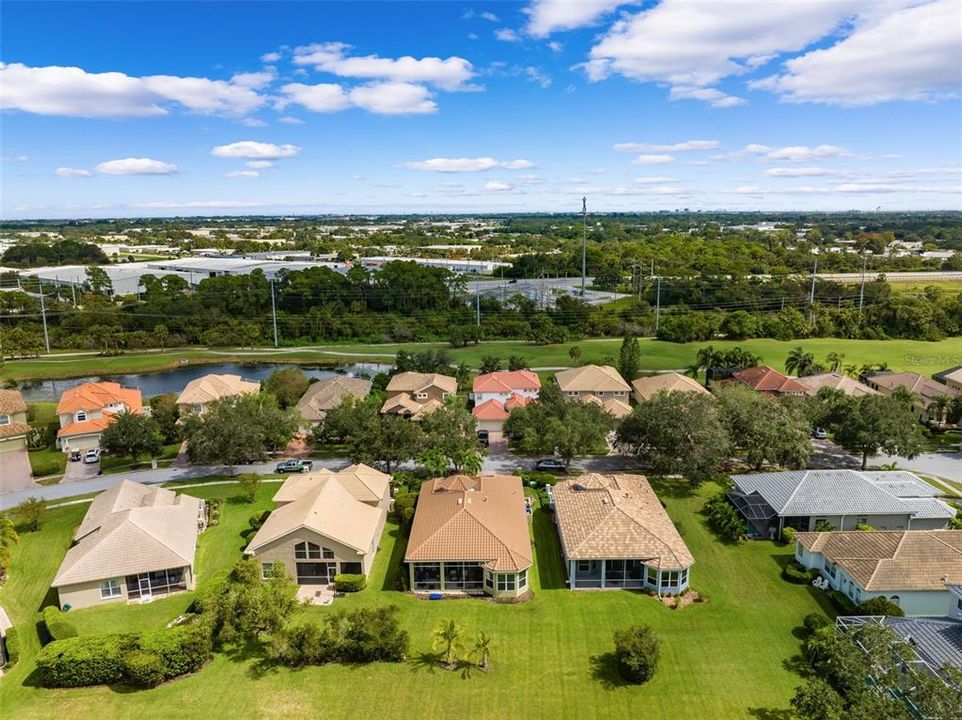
[[945, 465]]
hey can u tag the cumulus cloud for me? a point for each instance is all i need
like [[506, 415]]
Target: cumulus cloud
[[658, 159], [652, 180], [800, 172], [394, 98], [71, 172], [713, 96], [788, 153], [136, 166], [507, 35], [290, 120], [255, 150], [489, 16], [684, 146], [548, 16], [463, 165], [270, 57], [496, 186], [323, 97], [243, 174], [255, 80]]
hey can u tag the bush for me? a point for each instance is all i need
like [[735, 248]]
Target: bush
[[879, 606], [842, 604], [724, 519], [144, 669], [13, 646], [797, 573], [864, 528], [349, 583], [636, 651], [57, 625], [182, 649], [788, 536], [258, 519], [815, 621], [85, 660]]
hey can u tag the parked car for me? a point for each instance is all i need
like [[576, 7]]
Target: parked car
[[91, 456], [819, 433], [74, 456], [294, 465], [483, 437], [550, 465]]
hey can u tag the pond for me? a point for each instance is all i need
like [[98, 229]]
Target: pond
[[175, 380]]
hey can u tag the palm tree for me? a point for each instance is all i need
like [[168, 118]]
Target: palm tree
[[939, 406], [851, 370], [482, 650], [448, 636], [574, 352], [8, 537], [799, 362], [834, 360]]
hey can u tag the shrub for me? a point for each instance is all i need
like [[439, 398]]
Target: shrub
[[85, 660], [788, 536], [864, 528], [824, 526], [841, 602], [57, 625], [724, 519], [144, 669], [636, 651], [182, 649], [879, 606], [815, 621], [797, 573], [258, 519], [13, 646], [349, 583]]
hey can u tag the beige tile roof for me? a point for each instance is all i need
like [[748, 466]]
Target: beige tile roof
[[214, 387], [364, 483], [472, 518], [327, 394], [405, 404], [891, 561], [128, 541], [125, 495], [591, 378], [836, 380], [648, 387], [11, 401], [327, 509], [412, 382], [925, 388], [617, 517], [14, 429]]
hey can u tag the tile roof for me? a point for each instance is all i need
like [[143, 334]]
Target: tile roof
[[837, 381], [612, 406], [617, 517], [11, 401], [14, 429], [403, 402], [327, 509], [492, 409], [98, 395], [887, 561], [516, 401], [364, 483], [925, 388], [506, 381], [591, 378], [647, 387], [412, 382], [766, 379], [125, 495], [208, 388], [86, 427], [327, 394], [472, 518]]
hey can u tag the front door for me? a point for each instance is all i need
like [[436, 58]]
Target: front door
[[143, 585], [316, 573]]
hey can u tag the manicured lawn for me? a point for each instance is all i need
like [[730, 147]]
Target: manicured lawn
[[722, 659]]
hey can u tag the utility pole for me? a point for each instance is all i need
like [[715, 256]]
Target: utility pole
[[657, 303], [584, 241], [861, 292], [274, 313], [811, 295], [477, 302], [43, 314], [73, 294]]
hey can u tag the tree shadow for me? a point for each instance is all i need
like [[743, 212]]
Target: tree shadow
[[50, 598], [771, 713], [428, 660], [675, 488], [604, 669], [395, 567], [797, 665], [238, 500]]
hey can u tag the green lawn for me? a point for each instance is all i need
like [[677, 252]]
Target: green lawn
[[731, 657], [924, 357]]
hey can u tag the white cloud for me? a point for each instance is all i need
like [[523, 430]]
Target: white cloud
[[71, 172], [324, 97], [652, 160], [496, 186], [259, 164], [462, 165], [270, 57], [537, 75], [243, 174], [507, 35], [253, 122], [800, 172], [15, 158], [290, 120], [912, 54], [256, 80], [685, 146], [489, 16], [136, 166], [713, 96], [652, 180], [799, 153], [255, 150], [548, 16], [212, 97], [167, 205], [448, 74], [394, 98], [556, 46]]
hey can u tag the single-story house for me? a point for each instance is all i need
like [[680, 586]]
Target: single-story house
[[908, 567], [470, 535], [327, 394], [616, 534], [801, 499], [951, 378], [364, 483], [924, 389], [836, 381], [414, 395], [768, 381], [323, 532], [135, 541], [86, 410], [15, 472], [204, 390], [647, 387], [598, 384], [502, 385]]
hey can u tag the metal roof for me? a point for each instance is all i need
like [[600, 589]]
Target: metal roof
[[937, 640]]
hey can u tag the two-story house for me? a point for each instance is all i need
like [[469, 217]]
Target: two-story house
[[598, 384], [924, 390], [413, 395], [496, 394], [86, 410], [15, 471]]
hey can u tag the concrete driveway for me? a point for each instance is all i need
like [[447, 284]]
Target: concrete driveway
[[78, 471]]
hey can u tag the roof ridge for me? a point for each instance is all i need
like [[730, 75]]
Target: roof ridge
[[133, 521], [937, 538], [878, 564], [792, 496]]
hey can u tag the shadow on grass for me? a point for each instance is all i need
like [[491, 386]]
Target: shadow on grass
[[548, 550], [428, 661], [771, 714], [797, 665], [604, 669], [238, 500], [675, 488], [395, 565]]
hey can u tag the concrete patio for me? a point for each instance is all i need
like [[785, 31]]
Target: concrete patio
[[316, 594]]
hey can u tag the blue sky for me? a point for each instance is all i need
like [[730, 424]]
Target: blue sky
[[181, 108]]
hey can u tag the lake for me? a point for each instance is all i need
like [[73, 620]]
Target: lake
[[175, 380]]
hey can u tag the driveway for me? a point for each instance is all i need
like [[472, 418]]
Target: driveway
[[945, 465], [78, 471]]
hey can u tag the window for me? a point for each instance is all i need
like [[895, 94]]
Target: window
[[684, 576], [895, 599], [351, 568], [861, 520], [198, 407], [267, 569], [427, 576], [110, 589], [505, 582], [309, 551], [584, 566], [830, 569], [522, 579], [652, 576], [489, 580], [421, 396], [327, 553], [80, 416], [4, 419]]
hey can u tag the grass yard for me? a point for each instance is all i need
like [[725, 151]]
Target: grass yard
[[924, 357], [732, 657]]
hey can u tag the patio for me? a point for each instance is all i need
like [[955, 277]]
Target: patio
[[316, 594]]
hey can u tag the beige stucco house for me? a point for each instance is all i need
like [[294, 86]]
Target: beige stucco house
[[86, 410], [924, 389], [953, 379], [15, 473], [135, 542], [413, 395], [202, 391], [597, 384], [327, 394], [470, 535], [836, 381], [364, 483], [646, 388], [322, 532]]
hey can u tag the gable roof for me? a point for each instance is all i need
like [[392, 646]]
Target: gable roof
[[363, 482], [617, 517], [954, 374], [327, 394], [472, 518], [766, 379], [613, 406], [516, 401], [97, 396], [591, 378], [125, 495], [86, 427], [327, 509], [924, 387], [208, 388], [11, 401], [492, 409], [647, 387], [891, 561], [413, 382], [506, 381], [842, 492], [836, 380]]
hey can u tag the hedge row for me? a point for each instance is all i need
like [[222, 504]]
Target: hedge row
[[57, 624], [796, 573], [141, 659], [13, 646], [349, 583]]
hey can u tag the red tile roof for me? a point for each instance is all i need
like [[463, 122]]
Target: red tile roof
[[86, 427], [506, 381], [516, 401], [491, 410], [765, 379], [96, 396]]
